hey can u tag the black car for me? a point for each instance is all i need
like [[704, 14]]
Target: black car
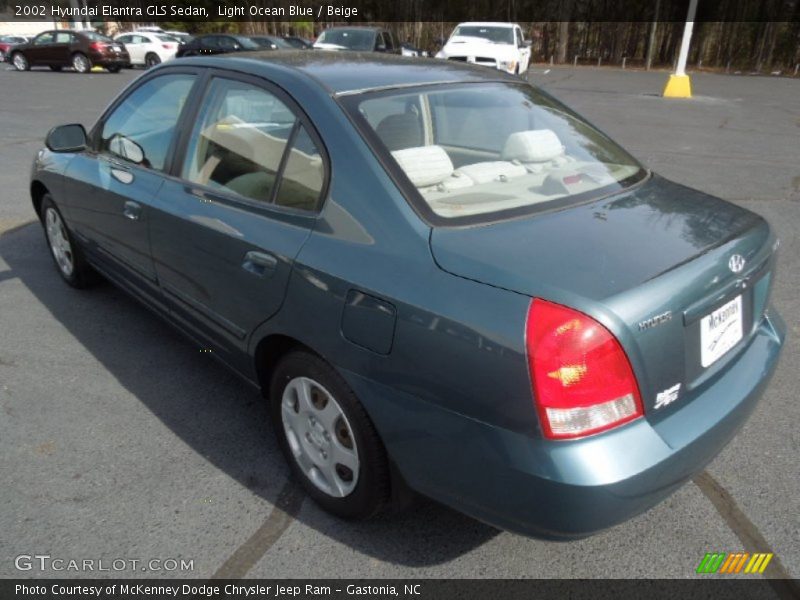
[[216, 43], [271, 42], [80, 50]]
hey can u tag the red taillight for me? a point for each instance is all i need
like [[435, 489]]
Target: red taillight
[[582, 380], [168, 46], [97, 46]]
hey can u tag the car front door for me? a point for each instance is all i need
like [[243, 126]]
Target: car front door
[[39, 51], [109, 187], [226, 229]]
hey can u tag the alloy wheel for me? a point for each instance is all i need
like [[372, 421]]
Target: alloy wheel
[[320, 437], [20, 62], [59, 242], [80, 63]]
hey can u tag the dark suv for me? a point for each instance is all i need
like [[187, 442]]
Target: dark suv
[[362, 39], [81, 50]]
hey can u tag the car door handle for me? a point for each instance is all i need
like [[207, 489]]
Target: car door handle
[[122, 175], [260, 263], [132, 210]]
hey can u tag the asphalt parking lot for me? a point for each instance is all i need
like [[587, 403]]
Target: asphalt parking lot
[[118, 439]]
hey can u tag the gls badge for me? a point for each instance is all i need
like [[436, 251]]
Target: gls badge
[[668, 396]]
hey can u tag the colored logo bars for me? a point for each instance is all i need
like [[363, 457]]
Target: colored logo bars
[[720, 562]]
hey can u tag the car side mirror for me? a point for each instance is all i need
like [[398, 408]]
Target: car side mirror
[[66, 138], [527, 43]]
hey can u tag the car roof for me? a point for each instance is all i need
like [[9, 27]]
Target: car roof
[[348, 27], [488, 24], [351, 72]]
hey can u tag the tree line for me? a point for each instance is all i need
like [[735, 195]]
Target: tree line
[[737, 45]]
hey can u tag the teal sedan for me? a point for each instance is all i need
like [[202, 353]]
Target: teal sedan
[[443, 280]]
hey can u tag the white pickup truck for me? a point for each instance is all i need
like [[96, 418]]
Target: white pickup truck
[[498, 45]]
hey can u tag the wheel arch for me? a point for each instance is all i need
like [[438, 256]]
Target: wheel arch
[[268, 353], [38, 192]]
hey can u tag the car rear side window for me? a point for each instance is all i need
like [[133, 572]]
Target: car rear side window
[[303, 174], [141, 128], [239, 140]]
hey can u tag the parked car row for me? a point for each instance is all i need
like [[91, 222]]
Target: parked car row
[[147, 47], [500, 46]]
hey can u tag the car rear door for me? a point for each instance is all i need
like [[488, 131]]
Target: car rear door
[[226, 229], [59, 52], [108, 189]]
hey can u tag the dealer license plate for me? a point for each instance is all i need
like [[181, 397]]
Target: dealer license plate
[[720, 331]]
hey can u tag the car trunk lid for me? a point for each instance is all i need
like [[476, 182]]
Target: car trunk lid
[[651, 264]]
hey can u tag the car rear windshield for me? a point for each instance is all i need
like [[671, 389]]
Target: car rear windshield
[[467, 151], [96, 37], [352, 39], [498, 35]]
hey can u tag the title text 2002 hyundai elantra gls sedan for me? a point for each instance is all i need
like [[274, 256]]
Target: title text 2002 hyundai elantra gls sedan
[[442, 279]]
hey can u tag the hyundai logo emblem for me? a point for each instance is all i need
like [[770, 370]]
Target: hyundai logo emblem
[[736, 263]]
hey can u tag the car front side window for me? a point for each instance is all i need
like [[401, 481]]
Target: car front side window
[[45, 38], [141, 128], [239, 141]]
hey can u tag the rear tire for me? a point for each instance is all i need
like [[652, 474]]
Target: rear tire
[[151, 60], [327, 437], [66, 254], [20, 62], [81, 63]]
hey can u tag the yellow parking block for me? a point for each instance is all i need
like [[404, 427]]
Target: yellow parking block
[[678, 86]]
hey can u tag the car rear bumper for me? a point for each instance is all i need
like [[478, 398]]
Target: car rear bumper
[[567, 489], [110, 59]]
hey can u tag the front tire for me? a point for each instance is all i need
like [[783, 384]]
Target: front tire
[[151, 60], [114, 69], [81, 63], [327, 437], [65, 253], [20, 62]]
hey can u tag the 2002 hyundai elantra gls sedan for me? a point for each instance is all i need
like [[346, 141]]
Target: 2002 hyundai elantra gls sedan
[[441, 278]]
